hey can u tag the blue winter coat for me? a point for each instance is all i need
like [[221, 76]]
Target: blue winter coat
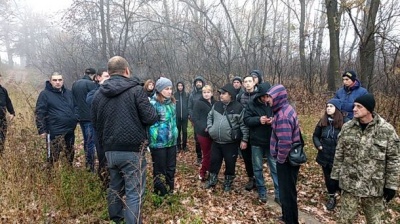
[[348, 95]]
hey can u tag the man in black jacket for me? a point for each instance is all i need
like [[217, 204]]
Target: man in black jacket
[[5, 105], [120, 113], [80, 89], [258, 118], [181, 98], [56, 118]]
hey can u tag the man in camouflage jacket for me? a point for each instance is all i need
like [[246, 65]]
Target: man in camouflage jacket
[[367, 163]]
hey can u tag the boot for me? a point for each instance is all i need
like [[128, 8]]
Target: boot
[[212, 180], [228, 182], [251, 184], [331, 203]]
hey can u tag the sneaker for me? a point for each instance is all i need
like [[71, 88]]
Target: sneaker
[[250, 185], [262, 198], [331, 203], [202, 178]]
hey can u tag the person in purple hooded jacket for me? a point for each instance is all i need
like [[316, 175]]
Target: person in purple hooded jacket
[[285, 131]]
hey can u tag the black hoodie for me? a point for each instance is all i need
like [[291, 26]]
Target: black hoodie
[[196, 94], [120, 113], [182, 100]]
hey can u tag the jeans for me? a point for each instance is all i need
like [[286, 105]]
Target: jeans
[[60, 143], [89, 144], [164, 167], [182, 132], [128, 177], [287, 178], [258, 153]]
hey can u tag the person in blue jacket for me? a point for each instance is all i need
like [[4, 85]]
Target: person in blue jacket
[[349, 92], [57, 116]]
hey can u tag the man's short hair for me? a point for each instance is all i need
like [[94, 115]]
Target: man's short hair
[[54, 74], [117, 65], [100, 71]]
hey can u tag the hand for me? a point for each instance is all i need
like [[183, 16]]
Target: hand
[[263, 119], [11, 117], [388, 194], [243, 145], [43, 135], [206, 130], [269, 120]]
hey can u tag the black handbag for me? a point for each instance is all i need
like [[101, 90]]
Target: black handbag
[[236, 134], [297, 156]]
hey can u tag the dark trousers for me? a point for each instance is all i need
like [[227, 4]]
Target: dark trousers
[[198, 147], [60, 143], [331, 185], [224, 152], [164, 166], [3, 133], [182, 125], [248, 162], [287, 179]]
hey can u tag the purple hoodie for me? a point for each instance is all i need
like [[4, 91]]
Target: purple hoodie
[[285, 127]]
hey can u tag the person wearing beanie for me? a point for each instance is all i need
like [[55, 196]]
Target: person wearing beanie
[[225, 116], [325, 141], [237, 83], [367, 162], [349, 92], [162, 138], [198, 83], [257, 75]]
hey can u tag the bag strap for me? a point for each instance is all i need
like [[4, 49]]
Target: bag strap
[[229, 121]]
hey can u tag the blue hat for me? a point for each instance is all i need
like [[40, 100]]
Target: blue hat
[[336, 103]]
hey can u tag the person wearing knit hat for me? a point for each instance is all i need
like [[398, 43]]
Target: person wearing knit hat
[[325, 141], [163, 137], [349, 92], [237, 84], [367, 161], [367, 100], [257, 75]]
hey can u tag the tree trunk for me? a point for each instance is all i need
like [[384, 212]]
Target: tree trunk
[[103, 32], [334, 57]]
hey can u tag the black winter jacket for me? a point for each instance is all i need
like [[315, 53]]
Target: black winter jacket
[[80, 89], [327, 138], [260, 134], [182, 100], [55, 111], [120, 113], [200, 112], [5, 103], [195, 95]]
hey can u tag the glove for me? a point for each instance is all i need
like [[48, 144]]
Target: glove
[[388, 194]]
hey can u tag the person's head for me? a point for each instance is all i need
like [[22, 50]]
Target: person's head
[[180, 87], [164, 87], [227, 93], [56, 80], [198, 84], [248, 83], [207, 92], [332, 105], [149, 85], [333, 114], [348, 78], [257, 76], [101, 75], [118, 65], [91, 72], [364, 106], [237, 82]]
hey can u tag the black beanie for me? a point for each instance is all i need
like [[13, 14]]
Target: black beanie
[[237, 78], [367, 101], [351, 75]]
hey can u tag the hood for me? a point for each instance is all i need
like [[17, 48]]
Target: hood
[[50, 88], [183, 84], [199, 78], [259, 75], [262, 90], [116, 85], [279, 96]]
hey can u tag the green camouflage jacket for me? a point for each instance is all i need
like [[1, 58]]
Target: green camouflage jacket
[[366, 162]]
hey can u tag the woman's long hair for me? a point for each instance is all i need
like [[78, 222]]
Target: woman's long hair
[[338, 119], [147, 83]]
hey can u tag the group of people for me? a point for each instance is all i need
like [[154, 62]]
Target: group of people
[[122, 118]]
